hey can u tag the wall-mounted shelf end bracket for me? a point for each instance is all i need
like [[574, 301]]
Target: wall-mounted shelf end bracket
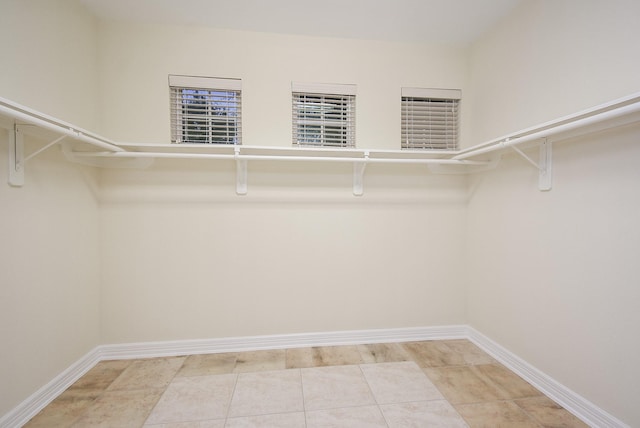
[[544, 180], [358, 175], [543, 165], [241, 173], [16, 157]]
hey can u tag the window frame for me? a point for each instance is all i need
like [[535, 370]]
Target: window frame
[[325, 113], [208, 95], [430, 119]]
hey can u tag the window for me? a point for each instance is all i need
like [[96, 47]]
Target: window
[[205, 110], [324, 115], [430, 118]]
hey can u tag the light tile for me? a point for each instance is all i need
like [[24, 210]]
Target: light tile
[[548, 413], [144, 374], [194, 398], [462, 384], [120, 409], [101, 375], [366, 416], [336, 356], [469, 352], [334, 387], [433, 354], [437, 413], [65, 409], [298, 358], [511, 384], [208, 364], [365, 385], [383, 353], [399, 383], [256, 361], [267, 392], [282, 420], [218, 423], [495, 414]]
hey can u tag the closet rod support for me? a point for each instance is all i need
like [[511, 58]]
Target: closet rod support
[[16, 157], [37, 152], [545, 177], [358, 175], [543, 166], [241, 172], [527, 158]]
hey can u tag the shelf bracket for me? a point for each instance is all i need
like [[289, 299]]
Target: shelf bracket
[[545, 166], [51, 144], [358, 175], [16, 157], [241, 173], [527, 158]]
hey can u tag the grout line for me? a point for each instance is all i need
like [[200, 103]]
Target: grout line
[[233, 392], [304, 403]]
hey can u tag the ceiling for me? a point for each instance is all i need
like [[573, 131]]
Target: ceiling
[[437, 21]]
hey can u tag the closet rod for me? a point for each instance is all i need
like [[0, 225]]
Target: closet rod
[[593, 116], [28, 116]]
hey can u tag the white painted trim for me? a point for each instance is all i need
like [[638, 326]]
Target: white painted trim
[[445, 94], [205, 82], [576, 404], [30, 407], [281, 341], [582, 408], [324, 88]]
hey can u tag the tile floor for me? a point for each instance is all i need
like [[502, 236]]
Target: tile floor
[[418, 384]]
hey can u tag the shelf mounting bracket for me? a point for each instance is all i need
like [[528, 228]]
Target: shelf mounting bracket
[[545, 166], [241, 173], [525, 157], [16, 157], [358, 175]]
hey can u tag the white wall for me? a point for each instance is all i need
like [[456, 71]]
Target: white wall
[[136, 59], [49, 58], [184, 257], [553, 276], [49, 261], [548, 275], [551, 58]]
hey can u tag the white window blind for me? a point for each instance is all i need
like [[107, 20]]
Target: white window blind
[[324, 115], [205, 110], [430, 118]]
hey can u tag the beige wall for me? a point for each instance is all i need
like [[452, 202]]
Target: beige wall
[[49, 273], [551, 58], [49, 58], [136, 60], [186, 258], [49, 261], [552, 276], [171, 252]]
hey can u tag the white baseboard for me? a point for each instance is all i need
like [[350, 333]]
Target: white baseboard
[[254, 343], [582, 408], [573, 402], [45, 395]]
